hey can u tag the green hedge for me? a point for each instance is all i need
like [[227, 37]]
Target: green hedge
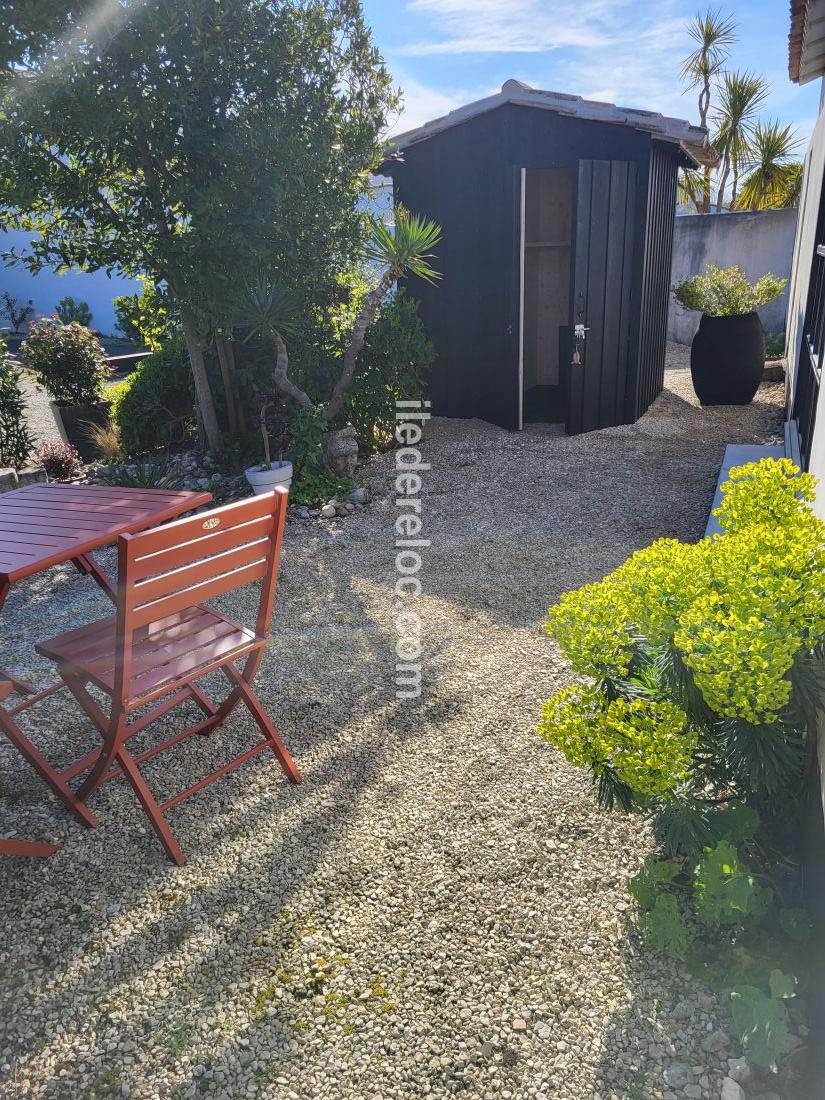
[[154, 407]]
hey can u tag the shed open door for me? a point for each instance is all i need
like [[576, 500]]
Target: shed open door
[[603, 243]]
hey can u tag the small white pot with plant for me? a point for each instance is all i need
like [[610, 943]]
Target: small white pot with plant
[[274, 428]]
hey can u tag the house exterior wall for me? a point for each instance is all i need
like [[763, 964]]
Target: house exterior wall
[[797, 302], [759, 242], [47, 288], [798, 292]]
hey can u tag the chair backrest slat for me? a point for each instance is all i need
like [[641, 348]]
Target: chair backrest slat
[[184, 576], [183, 564], [199, 526], [212, 542], [142, 614]]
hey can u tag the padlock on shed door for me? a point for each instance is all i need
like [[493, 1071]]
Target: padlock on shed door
[[579, 334]]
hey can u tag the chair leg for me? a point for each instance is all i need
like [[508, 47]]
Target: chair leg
[[112, 738], [115, 752], [64, 792], [271, 734], [151, 808]]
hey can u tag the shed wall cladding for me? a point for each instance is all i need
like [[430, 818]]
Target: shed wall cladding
[[468, 179], [661, 215]]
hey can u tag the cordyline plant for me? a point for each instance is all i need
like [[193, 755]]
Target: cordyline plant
[[268, 309], [726, 291]]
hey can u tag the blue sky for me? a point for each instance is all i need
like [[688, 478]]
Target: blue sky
[[443, 53]]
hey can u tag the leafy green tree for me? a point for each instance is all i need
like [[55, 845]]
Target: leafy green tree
[[198, 142]]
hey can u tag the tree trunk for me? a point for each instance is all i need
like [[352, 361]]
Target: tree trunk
[[723, 182], [359, 335], [203, 393], [279, 375], [706, 191], [226, 358]]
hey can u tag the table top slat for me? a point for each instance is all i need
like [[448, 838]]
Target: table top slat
[[45, 525]]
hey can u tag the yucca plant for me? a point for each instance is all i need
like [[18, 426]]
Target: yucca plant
[[774, 178], [266, 309]]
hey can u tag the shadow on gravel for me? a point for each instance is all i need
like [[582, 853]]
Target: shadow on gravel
[[108, 913]]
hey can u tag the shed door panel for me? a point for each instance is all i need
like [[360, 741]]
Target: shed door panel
[[602, 277]]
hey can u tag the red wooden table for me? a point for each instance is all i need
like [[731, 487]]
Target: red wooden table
[[46, 525]]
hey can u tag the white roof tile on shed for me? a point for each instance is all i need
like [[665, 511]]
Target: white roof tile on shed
[[692, 139]]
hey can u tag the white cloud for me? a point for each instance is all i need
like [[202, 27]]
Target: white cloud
[[423, 103], [628, 52], [621, 51], [506, 26]]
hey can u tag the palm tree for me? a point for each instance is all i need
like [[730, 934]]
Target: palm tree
[[691, 187], [774, 178], [713, 36], [740, 97]]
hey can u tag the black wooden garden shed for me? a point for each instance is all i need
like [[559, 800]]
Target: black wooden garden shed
[[556, 211]]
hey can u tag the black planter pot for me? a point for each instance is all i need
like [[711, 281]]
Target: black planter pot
[[75, 421], [727, 358]]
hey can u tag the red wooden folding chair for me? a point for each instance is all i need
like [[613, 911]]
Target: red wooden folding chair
[[163, 640], [8, 725]]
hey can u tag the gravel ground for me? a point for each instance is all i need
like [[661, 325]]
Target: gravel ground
[[38, 414], [439, 908]]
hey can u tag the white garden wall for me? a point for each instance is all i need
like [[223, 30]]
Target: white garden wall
[[759, 242], [46, 289]]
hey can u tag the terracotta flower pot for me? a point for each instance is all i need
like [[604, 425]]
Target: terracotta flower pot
[[727, 358]]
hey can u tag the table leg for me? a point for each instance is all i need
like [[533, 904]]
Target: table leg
[[21, 686], [85, 563]]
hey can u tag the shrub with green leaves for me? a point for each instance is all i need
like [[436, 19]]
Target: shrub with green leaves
[[313, 483], [705, 668], [15, 439], [730, 630], [68, 361], [393, 366], [726, 292], [711, 914], [149, 317], [641, 743], [155, 407]]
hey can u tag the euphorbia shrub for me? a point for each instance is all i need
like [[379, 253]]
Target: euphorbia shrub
[[703, 667], [704, 660]]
